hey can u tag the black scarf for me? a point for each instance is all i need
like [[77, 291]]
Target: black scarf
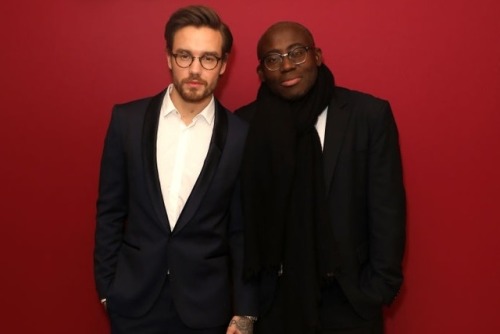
[[284, 199]]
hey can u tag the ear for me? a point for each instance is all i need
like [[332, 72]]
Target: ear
[[224, 64], [260, 73], [318, 56], [169, 60]]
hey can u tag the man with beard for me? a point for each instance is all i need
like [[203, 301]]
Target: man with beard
[[323, 194], [169, 235]]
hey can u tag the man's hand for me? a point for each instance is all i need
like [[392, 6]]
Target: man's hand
[[240, 325]]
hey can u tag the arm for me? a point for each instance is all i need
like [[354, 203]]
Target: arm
[[245, 293], [382, 276], [111, 207]]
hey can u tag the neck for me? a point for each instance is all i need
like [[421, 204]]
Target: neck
[[187, 109]]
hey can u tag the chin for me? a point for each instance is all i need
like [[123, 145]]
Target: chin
[[292, 96], [194, 96]]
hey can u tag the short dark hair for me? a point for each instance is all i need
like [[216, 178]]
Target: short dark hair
[[197, 16]]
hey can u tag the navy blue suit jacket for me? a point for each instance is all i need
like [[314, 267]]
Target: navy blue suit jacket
[[135, 251]]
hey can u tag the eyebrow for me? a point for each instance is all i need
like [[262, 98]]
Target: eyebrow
[[289, 48], [206, 53]]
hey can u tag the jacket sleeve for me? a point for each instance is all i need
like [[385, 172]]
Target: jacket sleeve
[[382, 276], [245, 292], [111, 206]]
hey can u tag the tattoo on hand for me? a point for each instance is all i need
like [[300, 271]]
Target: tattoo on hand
[[244, 325]]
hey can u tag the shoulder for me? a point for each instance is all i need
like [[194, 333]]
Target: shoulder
[[134, 103], [356, 98], [134, 111], [139, 104], [233, 120], [363, 105], [230, 130], [247, 112]]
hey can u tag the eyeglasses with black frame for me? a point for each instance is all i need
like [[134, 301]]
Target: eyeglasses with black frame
[[298, 55], [208, 61]]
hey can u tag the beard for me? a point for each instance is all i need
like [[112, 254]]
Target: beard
[[194, 94]]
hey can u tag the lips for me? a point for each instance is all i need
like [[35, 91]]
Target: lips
[[194, 83], [290, 82]]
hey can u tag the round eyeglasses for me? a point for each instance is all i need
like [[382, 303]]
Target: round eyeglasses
[[298, 55], [184, 60]]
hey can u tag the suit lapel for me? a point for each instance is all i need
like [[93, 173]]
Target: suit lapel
[[336, 126], [208, 170], [150, 131]]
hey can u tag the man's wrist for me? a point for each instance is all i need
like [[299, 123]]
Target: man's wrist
[[249, 317], [244, 323]]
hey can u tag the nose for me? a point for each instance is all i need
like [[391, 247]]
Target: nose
[[195, 66], [286, 64]]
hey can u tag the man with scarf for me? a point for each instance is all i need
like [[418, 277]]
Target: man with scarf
[[323, 194]]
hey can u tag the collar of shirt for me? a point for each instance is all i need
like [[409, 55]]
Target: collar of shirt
[[168, 107]]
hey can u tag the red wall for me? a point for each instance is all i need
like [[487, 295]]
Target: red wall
[[65, 63]]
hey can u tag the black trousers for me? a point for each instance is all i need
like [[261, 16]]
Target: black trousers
[[161, 319], [337, 316]]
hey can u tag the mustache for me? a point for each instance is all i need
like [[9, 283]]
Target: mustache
[[195, 78]]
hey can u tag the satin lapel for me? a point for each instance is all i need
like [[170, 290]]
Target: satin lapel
[[208, 170], [149, 135], [336, 125]]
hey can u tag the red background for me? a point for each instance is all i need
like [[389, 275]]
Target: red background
[[65, 63]]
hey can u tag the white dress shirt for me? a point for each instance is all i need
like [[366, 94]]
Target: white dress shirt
[[321, 126], [180, 152]]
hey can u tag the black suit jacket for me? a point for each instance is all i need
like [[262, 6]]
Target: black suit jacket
[[135, 251], [366, 198]]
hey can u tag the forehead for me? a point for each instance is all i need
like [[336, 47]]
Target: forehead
[[280, 38], [197, 40]]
